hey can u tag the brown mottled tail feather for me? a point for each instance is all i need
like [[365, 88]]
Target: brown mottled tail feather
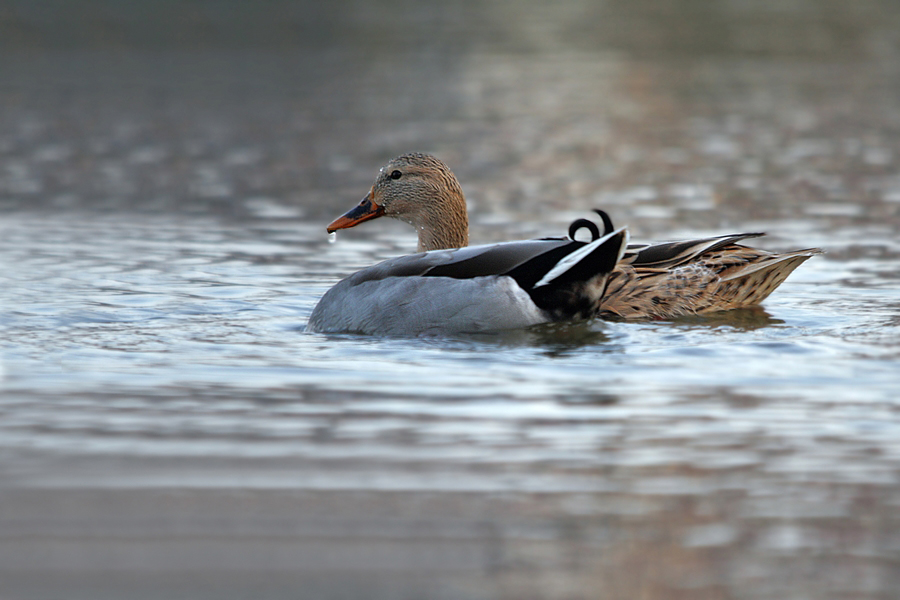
[[750, 284], [726, 277]]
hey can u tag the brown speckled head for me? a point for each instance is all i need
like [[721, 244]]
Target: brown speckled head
[[421, 190]]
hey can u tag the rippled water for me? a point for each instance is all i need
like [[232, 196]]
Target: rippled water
[[169, 429]]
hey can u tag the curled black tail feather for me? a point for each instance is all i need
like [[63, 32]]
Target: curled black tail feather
[[591, 226], [585, 224], [607, 222]]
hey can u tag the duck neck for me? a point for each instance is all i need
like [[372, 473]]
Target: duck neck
[[443, 225]]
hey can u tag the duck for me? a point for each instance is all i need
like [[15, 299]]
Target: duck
[[451, 287]]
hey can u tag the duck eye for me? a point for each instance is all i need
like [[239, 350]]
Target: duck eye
[[396, 174]]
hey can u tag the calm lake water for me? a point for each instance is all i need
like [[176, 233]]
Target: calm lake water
[[169, 430]]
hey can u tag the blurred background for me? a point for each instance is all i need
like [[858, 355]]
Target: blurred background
[[167, 429], [157, 106]]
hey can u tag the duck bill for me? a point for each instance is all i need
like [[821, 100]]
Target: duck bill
[[365, 210]]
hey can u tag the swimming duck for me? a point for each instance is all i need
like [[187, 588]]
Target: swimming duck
[[449, 287]]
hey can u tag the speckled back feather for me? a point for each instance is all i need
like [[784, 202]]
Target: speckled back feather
[[727, 277]]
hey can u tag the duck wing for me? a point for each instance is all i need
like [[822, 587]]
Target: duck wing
[[479, 288], [667, 255], [464, 263], [663, 281]]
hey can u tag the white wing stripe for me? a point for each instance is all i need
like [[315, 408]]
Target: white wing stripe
[[570, 260]]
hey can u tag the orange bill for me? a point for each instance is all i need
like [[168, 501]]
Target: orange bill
[[363, 211]]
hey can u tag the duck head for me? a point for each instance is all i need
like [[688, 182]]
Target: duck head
[[422, 191]]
